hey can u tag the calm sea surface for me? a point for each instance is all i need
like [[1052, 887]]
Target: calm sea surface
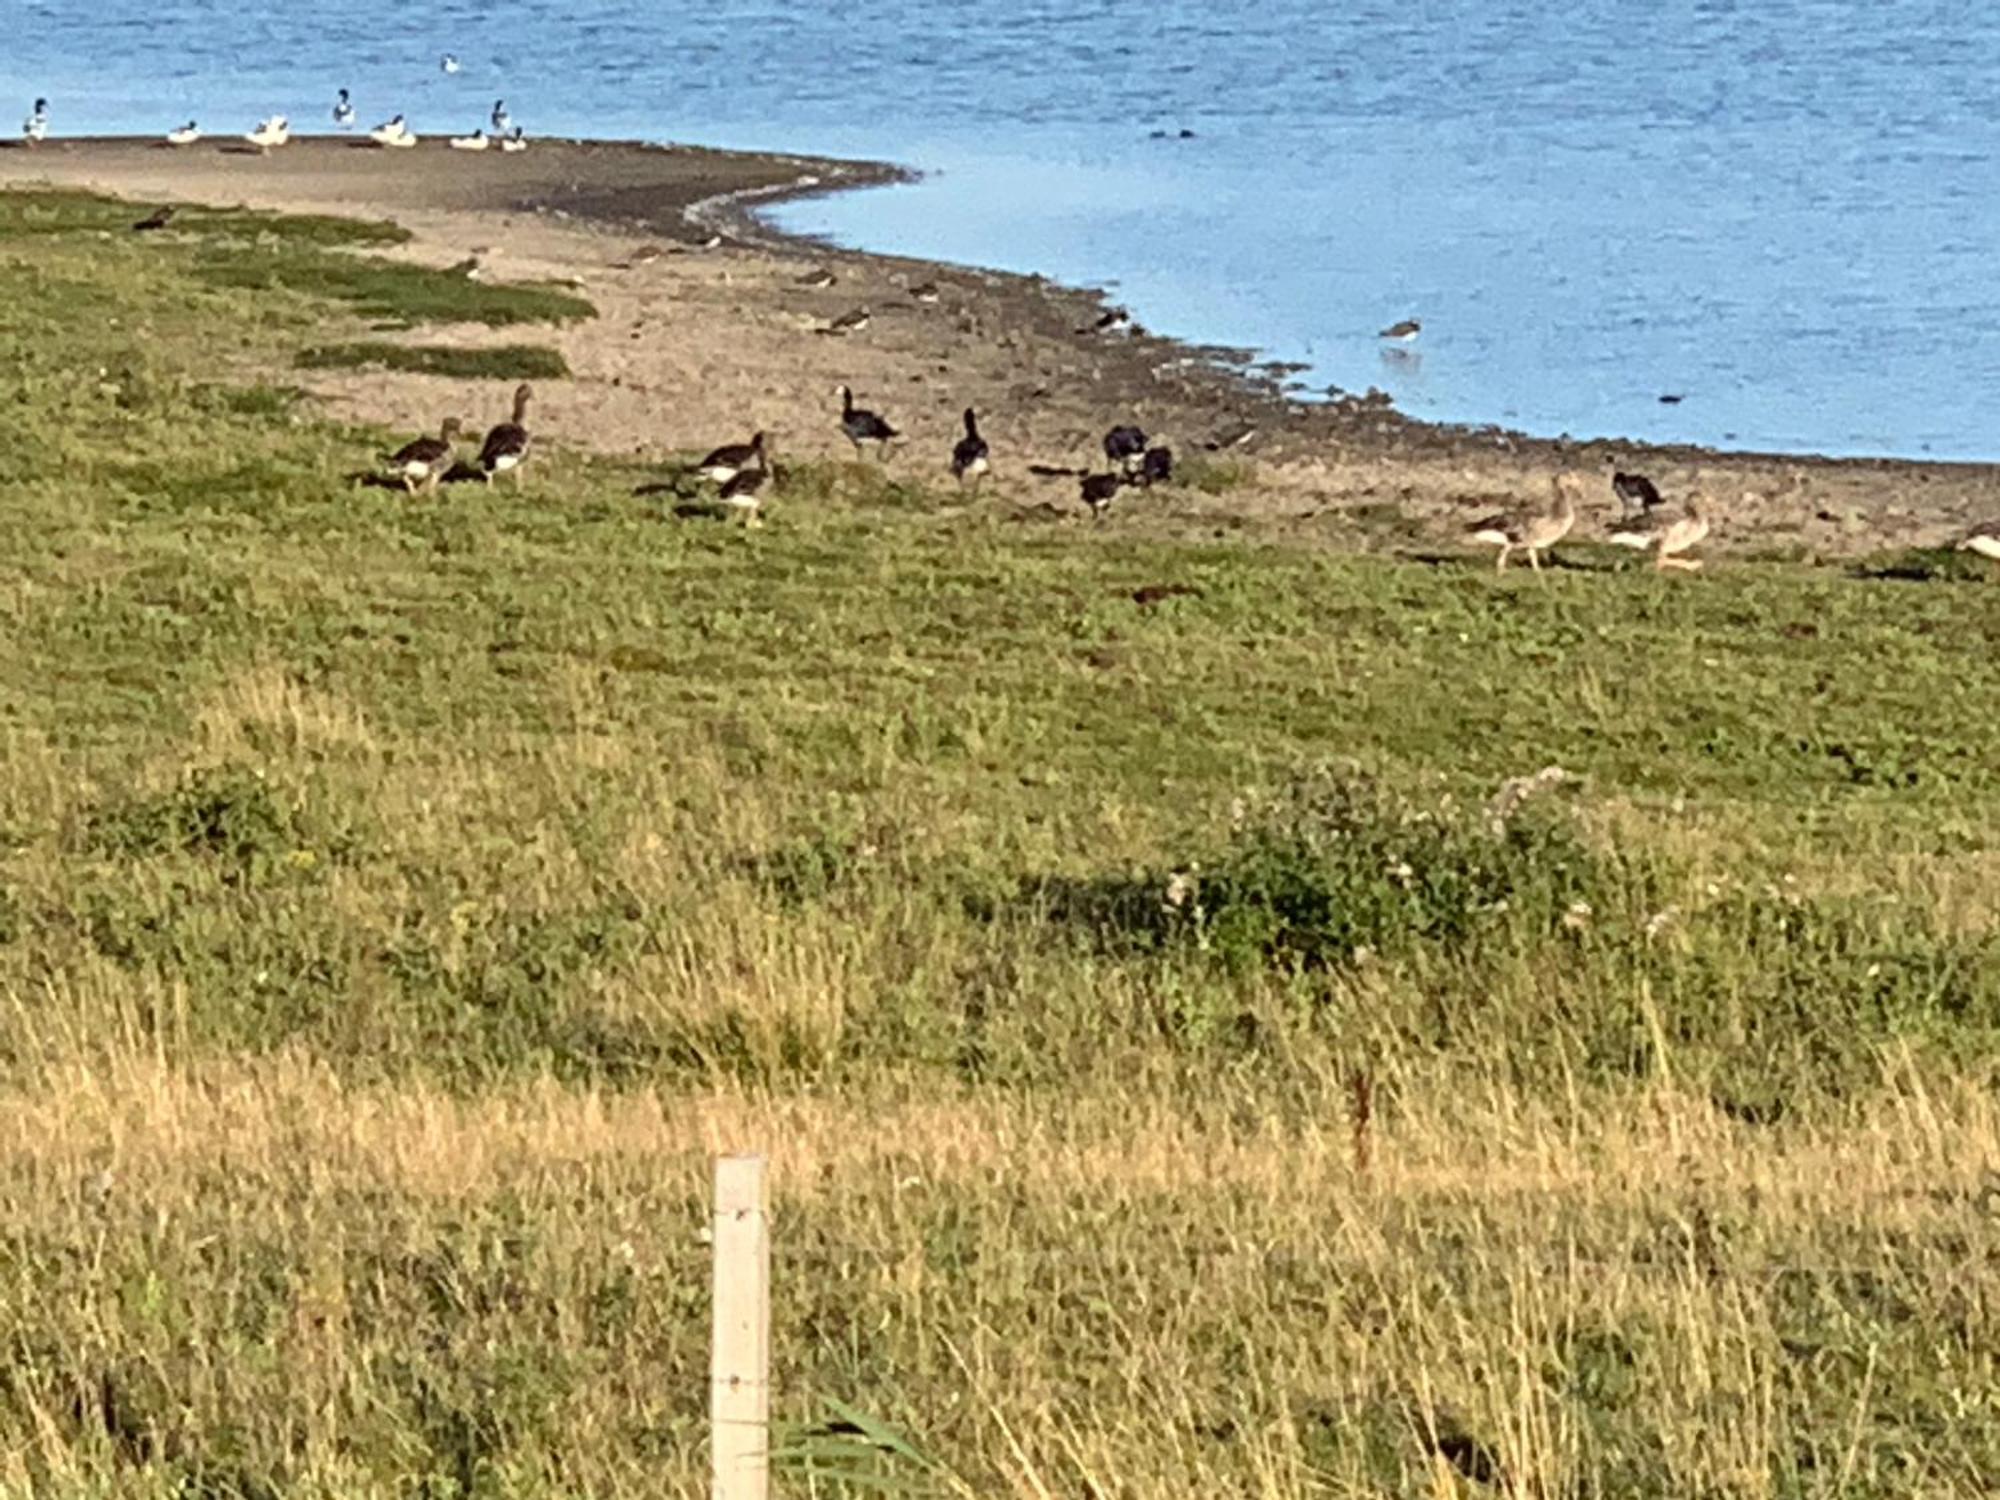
[[1781, 212]]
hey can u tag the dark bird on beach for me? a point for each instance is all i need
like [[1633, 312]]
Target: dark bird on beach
[[1156, 465], [1403, 332], [425, 460], [1231, 437], [1634, 491], [1125, 446], [970, 459], [818, 278], [1115, 320], [506, 446], [731, 459], [849, 322], [744, 494], [1099, 490], [863, 426], [925, 292], [159, 218]]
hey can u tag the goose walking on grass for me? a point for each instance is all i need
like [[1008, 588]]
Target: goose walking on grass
[[272, 132], [1532, 529], [343, 111], [185, 135], [35, 129], [1669, 531], [1099, 490], [1983, 539], [1635, 492], [1125, 447], [502, 121], [731, 459], [971, 458], [506, 446], [744, 494], [863, 426], [424, 461]]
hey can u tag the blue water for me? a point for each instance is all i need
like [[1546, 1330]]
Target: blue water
[[1780, 212]]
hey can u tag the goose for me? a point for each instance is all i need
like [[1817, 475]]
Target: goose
[[515, 142], [392, 132], [819, 278], [744, 494], [1125, 446], [425, 460], [971, 458], [863, 426], [1099, 490], [1634, 491], [506, 446], [849, 322], [1983, 539], [731, 459], [1404, 332], [272, 132], [475, 142], [186, 135], [502, 121], [159, 218], [1668, 533], [35, 129], [1114, 320], [927, 292], [1532, 529], [343, 111], [448, 63], [1156, 465]]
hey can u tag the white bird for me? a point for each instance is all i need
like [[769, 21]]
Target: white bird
[[475, 142], [36, 127], [343, 111], [502, 121], [514, 142], [1983, 539], [187, 135], [272, 132], [392, 132], [448, 63]]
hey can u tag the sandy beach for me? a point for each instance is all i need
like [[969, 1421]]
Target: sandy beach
[[697, 345]]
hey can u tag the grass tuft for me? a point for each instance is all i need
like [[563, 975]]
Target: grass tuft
[[501, 362]]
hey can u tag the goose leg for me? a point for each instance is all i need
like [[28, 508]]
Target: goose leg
[[1500, 563], [1534, 559]]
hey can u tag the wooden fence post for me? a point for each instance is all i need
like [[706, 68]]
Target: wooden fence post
[[739, 1401]]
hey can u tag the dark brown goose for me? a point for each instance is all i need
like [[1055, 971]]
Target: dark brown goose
[[1125, 446], [863, 426], [744, 494], [1156, 465], [1099, 490], [971, 459], [425, 460], [506, 446], [731, 459], [159, 218]]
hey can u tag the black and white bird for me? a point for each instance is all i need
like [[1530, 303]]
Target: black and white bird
[[1125, 446], [1114, 320], [159, 218], [1099, 490], [1156, 465], [448, 63], [1635, 492], [849, 322], [502, 121], [343, 111], [863, 426], [744, 494], [393, 131], [731, 459], [184, 135], [272, 132], [971, 458], [424, 461], [506, 446], [35, 129], [517, 141], [1404, 332], [926, 292], [819, 278]]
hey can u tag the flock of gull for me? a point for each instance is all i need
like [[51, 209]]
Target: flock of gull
[[742, 472]]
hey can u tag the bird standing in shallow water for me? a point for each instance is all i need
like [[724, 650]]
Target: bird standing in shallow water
[[1532, 529], [1668, 532], [425, 460], [971, 458], [506, 446], [1404, 332], [863, 426]]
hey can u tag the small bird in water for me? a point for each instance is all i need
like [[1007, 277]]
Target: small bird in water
[[1099, 490], [159, 218], [863, 426], [1125, 446], [343, 111], [1532, 529], [35, 129], [506, 446], [1404, 332], [502, 121], [425, 460], [448, 63], [185, 135], [971, 458], [850, 322], [272, 132]]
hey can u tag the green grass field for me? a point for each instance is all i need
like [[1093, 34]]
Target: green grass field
[[1181, 1076]]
